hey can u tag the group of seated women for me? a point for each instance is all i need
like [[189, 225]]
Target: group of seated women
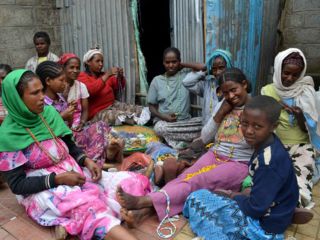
[[55, 139]]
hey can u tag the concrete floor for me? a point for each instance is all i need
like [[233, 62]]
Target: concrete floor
[[15, 224]]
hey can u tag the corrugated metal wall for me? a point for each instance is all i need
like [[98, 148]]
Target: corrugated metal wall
[[187, 29], [106, 23], [248, 30], [187, 34]]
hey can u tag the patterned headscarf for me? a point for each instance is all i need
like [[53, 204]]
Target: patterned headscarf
[[66, 57], [90, 54], [295, 59]]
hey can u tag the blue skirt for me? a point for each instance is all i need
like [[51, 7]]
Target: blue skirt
[[212, 216]]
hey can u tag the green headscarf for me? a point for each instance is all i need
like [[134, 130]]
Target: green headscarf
[[13, 133]]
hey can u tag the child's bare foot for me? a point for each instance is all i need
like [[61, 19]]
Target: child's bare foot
[[135, 217], [131, 202]]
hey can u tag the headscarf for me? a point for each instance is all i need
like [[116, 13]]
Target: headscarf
[[226, 55], [90, 54], [13, 134], [294, 59], [66, 57], [302, 90]]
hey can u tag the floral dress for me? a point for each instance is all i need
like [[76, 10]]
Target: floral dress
[[90, 210], [93, 138]]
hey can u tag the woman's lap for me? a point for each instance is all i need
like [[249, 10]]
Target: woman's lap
[[216, 217], [84, 210], [303, 160], [206, 173]]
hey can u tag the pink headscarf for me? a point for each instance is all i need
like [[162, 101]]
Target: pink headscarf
[[66, 57]]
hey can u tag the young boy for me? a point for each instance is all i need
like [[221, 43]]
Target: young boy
[[269, 208], [42, 43]]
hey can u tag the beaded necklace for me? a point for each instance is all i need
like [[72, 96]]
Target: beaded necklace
[[59, 146], [226, 125]]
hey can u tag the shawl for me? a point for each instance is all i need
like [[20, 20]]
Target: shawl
[[219, 53], [13, 133], [302, 91]]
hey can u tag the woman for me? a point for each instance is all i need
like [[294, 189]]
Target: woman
[[41, 164], [204, 85], [299, 127], [169, 103], [223, 166], [4, 70], [104, 88], [42, 43], [92, 138]]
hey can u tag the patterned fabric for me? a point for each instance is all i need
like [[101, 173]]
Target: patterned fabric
[[302, 156], [117, 113], [89, 211], [212, 216], [60, 104], [93, 139], [209, 172], [182, 131]]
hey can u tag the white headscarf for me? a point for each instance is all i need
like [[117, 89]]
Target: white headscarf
[[90, 54], [302, 90]]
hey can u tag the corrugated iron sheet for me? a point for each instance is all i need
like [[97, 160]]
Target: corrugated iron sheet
[[187, 33], [248, 30], [187, 26], [106, 23]]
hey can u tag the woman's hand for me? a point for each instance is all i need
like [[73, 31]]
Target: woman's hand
[[67, 114], [94, 169], [224, 109], [79, 127], [171, 117], [70, 178], [298, 113]]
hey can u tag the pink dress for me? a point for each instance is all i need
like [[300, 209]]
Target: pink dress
[[93, 138], [89, 211]]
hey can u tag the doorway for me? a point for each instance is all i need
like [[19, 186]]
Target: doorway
[[154, 23]]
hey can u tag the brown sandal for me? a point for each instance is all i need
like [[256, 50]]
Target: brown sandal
[[302, 216]]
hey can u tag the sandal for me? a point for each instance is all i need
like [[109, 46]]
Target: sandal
[[302, 216]]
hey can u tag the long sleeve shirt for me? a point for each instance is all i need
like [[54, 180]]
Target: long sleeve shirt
[[20, 184], [102, 94], [275, 193], [206, 87]]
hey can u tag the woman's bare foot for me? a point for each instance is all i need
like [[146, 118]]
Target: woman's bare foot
[[131, 202], [115, 149], [60, 232], [158, 174], [135, 217]]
